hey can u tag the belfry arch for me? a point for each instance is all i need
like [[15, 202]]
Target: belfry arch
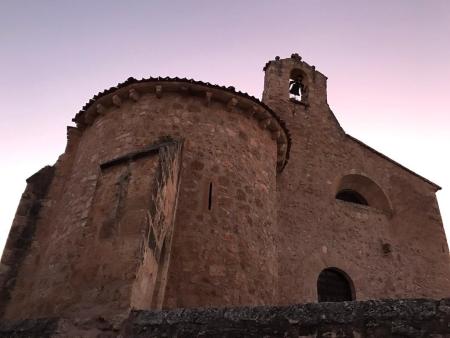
[[298, 90]]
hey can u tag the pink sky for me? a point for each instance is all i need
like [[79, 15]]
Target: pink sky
[[388, 64]]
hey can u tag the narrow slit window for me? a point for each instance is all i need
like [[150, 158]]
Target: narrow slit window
[[210, 196]]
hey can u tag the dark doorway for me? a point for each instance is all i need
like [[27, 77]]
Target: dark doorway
[[334, 286]]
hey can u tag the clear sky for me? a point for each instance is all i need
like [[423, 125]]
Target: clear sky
[[388, 64]]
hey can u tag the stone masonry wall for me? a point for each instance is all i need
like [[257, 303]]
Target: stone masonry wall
[[101, 246], [150, 283], [316, 231], [131, 216], [22, 232], [224, 242], [176, 194]]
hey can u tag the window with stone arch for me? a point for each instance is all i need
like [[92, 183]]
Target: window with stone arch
[[352, 196], [297, 87], [334, 285], [359, 189]]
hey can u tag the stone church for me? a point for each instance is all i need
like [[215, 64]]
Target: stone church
[[175, 193]]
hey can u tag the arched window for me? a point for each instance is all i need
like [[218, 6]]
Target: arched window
[[333, 285], [359, 189], [297, 88], [349, 195]]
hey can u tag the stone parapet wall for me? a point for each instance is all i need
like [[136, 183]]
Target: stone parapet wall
[[380, 318]]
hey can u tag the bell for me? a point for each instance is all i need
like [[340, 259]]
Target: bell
[[295, 88]]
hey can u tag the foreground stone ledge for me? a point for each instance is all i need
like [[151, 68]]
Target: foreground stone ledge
[[380, 318], [42, 327]]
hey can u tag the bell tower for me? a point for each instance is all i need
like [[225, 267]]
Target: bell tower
[[297, 92], [291, 85]]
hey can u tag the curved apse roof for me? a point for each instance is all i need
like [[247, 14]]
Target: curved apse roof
[[80, 117]]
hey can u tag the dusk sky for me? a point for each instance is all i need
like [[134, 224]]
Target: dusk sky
[[387, 63]]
